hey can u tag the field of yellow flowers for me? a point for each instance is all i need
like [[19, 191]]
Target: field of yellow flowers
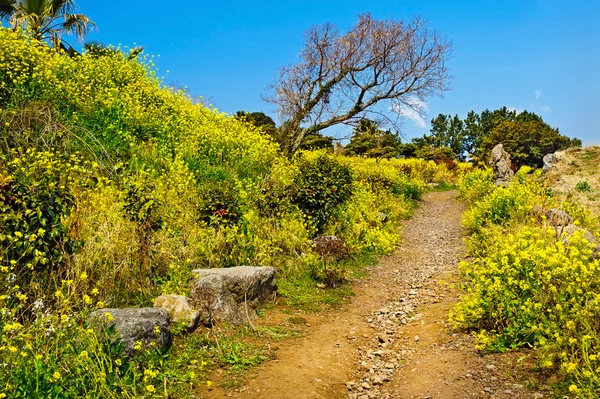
[[113, 187], [529, 285]]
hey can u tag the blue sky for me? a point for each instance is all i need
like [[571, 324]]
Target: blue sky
[[543, 56]]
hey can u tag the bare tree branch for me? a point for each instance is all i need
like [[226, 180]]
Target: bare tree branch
[[376, 67]]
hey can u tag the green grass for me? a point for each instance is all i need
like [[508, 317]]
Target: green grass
[[302, 292], [189, 365], [444, 186]]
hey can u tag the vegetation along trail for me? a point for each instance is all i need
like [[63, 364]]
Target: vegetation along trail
[[392, 339]]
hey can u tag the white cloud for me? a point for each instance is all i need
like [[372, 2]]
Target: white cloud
[[546, 109], [538, 94], [414, 109], [518, 111]]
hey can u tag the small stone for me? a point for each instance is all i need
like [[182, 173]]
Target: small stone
[[297, 320], [538, 395], [180, 309], [491, 367], [487, 389], [417, 338], [366, 385]]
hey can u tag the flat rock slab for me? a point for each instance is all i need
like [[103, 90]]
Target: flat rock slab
[[138, 329], [232, 294]]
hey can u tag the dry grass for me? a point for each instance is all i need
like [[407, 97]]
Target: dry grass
[[578, 165]]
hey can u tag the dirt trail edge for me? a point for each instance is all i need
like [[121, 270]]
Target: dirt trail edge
[[392, 339]]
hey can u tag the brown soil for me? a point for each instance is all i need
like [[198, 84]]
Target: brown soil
[[574, 166], [392, 339]]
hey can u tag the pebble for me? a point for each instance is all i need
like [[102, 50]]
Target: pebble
[[387, 347]]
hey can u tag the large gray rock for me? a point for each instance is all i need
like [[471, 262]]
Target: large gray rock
[[548, 162], [232, 294], [180, 309], [501, 164], [138, 329]]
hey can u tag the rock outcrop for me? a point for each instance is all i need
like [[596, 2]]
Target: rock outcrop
[[232, 294], [572, 229], [548, 162], [180, 309], [501, 164], [558, 218], [563, 224], [137, 329]]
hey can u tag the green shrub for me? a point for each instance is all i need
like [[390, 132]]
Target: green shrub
[[583, 187], [476, 184], [321, 185]]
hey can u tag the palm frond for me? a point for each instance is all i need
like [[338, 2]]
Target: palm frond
[[60, 7], [39, 8], [77, 24], [7, 8], [98, 49], [134, 53]]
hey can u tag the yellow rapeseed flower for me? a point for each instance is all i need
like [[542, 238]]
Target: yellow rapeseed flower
[[573, 388]]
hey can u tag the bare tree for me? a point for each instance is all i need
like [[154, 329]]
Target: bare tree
[[376, 69]]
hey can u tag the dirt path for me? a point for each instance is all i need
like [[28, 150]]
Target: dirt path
[[392, 339]]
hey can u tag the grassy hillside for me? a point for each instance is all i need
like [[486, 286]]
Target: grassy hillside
[[113, 187], [576, 176]]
